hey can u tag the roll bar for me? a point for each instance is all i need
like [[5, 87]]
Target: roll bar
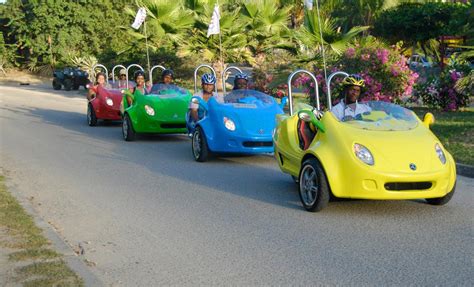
[[195, 76], [133, 65], [104, 68], [113, 71], [316, 88], [150, 73], [329, 85], [224, 73]]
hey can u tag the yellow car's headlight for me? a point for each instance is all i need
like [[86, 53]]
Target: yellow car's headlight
[[440, 153], [149, 110], [363, 154]]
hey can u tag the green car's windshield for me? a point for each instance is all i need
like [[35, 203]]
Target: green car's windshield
[[248, 99], [167, 89], [375, 115]]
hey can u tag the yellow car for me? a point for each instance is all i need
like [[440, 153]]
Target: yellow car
[[385, 153]]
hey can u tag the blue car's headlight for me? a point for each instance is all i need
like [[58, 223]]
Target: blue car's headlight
[[440, 153], [363, 154], [229, 124], [149, 110]]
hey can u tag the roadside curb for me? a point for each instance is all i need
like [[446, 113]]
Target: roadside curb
[[75, 262], [465, 170]]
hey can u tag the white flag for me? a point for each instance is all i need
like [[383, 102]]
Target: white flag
[[214, 27], [309, 4], [139, 18]]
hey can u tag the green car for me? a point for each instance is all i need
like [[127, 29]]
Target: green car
[[162, 111]]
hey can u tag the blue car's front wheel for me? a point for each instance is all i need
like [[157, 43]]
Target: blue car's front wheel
[[199, 145]]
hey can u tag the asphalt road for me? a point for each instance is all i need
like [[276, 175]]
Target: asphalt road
[[148, 215]]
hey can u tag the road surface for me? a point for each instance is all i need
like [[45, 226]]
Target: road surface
[[148, 215]]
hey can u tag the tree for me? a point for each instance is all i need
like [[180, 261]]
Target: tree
[[415, 23]]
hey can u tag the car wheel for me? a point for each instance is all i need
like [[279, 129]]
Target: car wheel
[[199, 145], [91, 117], [442, 200], [56, 84], [127, 129], [313, 186], [75, 87], [67, 84]]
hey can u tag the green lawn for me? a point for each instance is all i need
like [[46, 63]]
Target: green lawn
[[456, 131]]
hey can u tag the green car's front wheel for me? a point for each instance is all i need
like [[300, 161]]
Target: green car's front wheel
[[127, 129], [313, 186], [199, 145]]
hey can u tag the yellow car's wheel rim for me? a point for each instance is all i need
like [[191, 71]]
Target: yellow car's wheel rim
[[309, 186]]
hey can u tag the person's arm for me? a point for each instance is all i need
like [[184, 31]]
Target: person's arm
[[194, 114], [90, 94]]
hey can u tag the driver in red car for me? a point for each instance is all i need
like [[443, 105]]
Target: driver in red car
[[100, 80], [348, 108]]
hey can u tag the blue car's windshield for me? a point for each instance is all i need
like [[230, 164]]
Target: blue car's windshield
[[381, 116], [248, 99]]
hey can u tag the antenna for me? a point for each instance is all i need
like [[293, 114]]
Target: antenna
[[322, 41]]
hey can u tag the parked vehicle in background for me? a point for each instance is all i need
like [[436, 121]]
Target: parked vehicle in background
[[418, 61], [70, 78]]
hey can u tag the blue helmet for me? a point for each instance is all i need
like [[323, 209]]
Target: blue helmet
[[208, 79], [241, 76]]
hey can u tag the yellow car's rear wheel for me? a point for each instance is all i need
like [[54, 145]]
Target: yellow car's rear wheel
[[313, 186]]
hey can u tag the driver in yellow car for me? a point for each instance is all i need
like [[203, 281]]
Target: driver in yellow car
[[349, 107]]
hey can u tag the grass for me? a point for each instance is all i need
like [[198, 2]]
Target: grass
[[44, 266], [455, 130]]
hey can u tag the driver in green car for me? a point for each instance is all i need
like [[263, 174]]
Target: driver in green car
[[167, 76], [348, 108], [140, 86]]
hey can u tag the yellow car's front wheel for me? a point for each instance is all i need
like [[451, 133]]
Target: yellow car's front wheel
[[313, 186]]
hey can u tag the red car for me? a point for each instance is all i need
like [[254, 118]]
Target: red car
[[105, 105]]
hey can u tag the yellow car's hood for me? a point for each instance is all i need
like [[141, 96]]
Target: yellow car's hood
[[393, 151]]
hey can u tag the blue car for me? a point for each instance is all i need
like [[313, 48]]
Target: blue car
[[243, 124]]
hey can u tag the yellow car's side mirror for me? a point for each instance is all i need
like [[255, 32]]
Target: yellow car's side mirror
[[428, 119]]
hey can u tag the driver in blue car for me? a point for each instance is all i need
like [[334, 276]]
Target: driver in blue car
[[348, 108], [208, 83], [241, 82]]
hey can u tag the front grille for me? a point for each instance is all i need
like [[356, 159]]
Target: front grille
[[258, 144], [408, 185], [173, 126]]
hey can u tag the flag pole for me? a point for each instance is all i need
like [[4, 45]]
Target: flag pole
[[220, 43], [322, 42], [147, 53]]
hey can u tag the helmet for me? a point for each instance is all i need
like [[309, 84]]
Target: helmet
[[353, 80], [241, 76], [208, 79], [138, 73], [167, 72]]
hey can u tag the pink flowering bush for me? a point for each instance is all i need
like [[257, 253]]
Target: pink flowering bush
[[386, 74], [440, 91]]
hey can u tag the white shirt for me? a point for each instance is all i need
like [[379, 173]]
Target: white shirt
[[216, 96], [342, 110]]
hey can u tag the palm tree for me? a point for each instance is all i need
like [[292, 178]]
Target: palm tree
[[308, 37], [264, 22]]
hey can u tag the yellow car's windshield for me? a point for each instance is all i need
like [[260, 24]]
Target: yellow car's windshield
[[375, 115]]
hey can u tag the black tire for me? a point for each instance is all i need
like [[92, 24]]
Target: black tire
[[199, 146], [57, 84], [442, 200], [91, 116], [75, 87], [127, 129], [313, 186], [67, 84]]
